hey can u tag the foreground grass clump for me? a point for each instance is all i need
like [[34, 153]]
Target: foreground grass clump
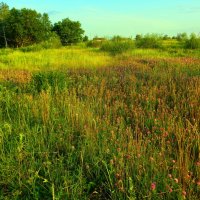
[[125, 132]]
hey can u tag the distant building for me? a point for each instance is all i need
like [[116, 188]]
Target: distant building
[[98, 39]]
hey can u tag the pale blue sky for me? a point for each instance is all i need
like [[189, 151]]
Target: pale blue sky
[[121, 17]]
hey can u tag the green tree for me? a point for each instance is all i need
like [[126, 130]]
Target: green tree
[[85, 38], [25, 27], [138, 37], [166, 37], [68, 31], [4, 13]]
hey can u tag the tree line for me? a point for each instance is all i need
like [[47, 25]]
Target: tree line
[[24, 27]]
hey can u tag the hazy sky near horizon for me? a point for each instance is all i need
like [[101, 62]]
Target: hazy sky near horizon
[[121, 17]]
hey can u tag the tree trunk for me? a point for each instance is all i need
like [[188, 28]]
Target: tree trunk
[[4, 35]]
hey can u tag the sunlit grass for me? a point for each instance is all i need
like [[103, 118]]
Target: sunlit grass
[[64, 58], [162, 53], [80, 124]]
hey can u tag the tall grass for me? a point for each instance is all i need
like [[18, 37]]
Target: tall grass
[[193, 42], [68, 57], [115, 47], [129, 131]]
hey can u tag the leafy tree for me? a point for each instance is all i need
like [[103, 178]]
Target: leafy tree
[[138, 37], [85, 38], [69, 31], [166, 37], [25, 27], [4, 13]]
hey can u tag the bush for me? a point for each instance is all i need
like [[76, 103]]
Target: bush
[[181, 37], [85, 38], [149, 41], [94, 44], [35, 47], [48, 80], [117, 46], [52, 43], [193, 42]]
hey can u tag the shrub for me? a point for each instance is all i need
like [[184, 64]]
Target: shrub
[[149, 41], [95, 44], [193, 42], [85, 38], [118, 38], [166, 37], [48, 80], [117, 46], [52, 43], [182, 37], [35, 47]]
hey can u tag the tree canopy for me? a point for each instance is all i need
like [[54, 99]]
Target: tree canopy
[[4, 13], [69, 31], [23, 27]]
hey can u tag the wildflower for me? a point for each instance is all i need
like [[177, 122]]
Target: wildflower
[[151, 158], [198, 163], [121, 189], [174, 161], [165, 134], [87, 167], [176, 180], [170, 176], [128, 156], [170, 190], [114, 158], [184, 193], [198, 183], [188, 176], [153, 186], [118, 176], [111, 161]]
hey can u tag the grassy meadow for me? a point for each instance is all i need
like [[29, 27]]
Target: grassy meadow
[[79, 123]]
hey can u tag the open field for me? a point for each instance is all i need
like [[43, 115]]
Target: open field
[[78, 123]]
